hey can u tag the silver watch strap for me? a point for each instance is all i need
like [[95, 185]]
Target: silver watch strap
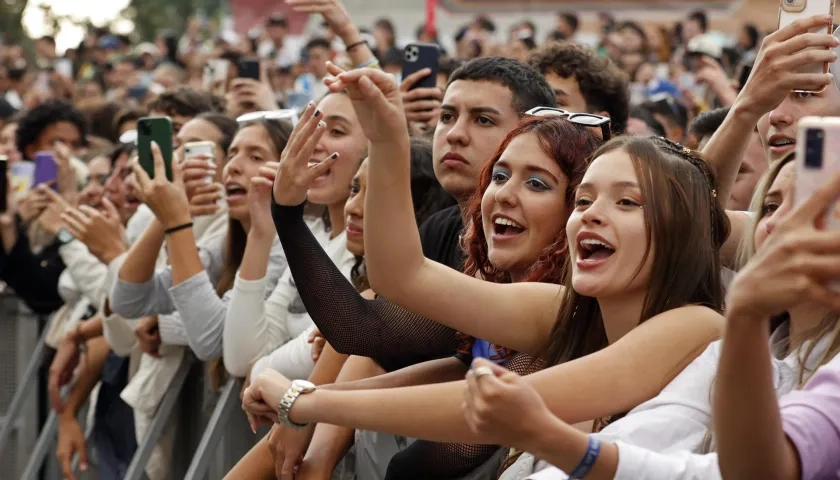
[[286, 405]]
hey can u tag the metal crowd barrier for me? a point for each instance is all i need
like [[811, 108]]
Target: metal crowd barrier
[[208, 443]]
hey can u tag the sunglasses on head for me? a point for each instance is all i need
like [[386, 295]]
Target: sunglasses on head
[[582, 119], [285, 114]]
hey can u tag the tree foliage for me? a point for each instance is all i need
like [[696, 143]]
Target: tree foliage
[[11, 16], [150, 17]]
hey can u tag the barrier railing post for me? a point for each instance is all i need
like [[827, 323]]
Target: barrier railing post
[[136, 470], [29, 381], [227, 404], [46, 440]]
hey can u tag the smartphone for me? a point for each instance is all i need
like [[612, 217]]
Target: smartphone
[[4, 183], [215, 76], [138, 92], [419, 56], [46, 170], [21, 174], [817, 159], [249, 69], [159, 130], [194, 149], [42, 82], [792, 10]]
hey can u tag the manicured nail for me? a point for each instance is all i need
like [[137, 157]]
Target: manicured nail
[[317, 113], [334, 155], [311, 104], [321, 124]]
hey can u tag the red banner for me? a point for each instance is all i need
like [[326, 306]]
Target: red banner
[[431, 25]]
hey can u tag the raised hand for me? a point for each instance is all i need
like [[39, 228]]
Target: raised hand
[[492, 393], [376, 99], [259, 201], [777, 69], [422, 105], [798, 262], [205, 199], [51, 216], [199, 171], [297, 170], [102, 232], [168, 200], [333, 12]]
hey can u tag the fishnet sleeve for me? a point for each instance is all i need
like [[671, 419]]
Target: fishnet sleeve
[[423, 459], [353, 325]]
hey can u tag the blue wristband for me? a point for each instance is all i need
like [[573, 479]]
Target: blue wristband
[[588, 459]]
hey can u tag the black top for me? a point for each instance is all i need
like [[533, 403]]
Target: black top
[[393, 336], [33, 276], [440, 236], [384, 331]]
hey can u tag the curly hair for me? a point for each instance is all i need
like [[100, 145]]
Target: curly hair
[[603, 85], [36, 120], [183, 101], [570, 146]]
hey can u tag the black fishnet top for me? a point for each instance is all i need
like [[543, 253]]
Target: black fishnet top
[[386, 332], [379, 329]]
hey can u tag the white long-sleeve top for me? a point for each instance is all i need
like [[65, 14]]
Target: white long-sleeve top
[[200, 308], [658, 439], [255, 327]]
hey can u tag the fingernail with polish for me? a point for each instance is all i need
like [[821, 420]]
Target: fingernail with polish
[[321, 124], [317, 113], [334, 155], [311, 104]]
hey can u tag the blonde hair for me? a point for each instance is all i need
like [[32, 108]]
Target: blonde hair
[[829, 327]]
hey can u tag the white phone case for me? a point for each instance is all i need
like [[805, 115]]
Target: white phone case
[[792, 10], [194, 149], [810, 178]]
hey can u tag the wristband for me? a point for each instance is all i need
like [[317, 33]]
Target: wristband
[[354, 45], [588, 460], [370, 63], [178, 228]]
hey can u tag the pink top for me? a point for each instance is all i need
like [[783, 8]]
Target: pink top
[[811, 419]]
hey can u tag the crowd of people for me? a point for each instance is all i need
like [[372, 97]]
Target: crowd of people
[[562, 261]]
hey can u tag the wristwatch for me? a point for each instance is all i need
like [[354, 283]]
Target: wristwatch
[[64, 237], [298, 388]]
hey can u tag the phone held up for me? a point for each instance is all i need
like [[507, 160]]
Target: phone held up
[[4, 183], [817, 159], [419, 56], [46, 170], [195, 149], [249, 69], [792, 10], [158, 130]]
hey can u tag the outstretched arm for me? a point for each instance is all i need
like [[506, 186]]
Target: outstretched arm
[[611, 381], [394, 257]]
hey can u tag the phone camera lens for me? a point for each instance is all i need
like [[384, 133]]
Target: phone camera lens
[[814, 148]]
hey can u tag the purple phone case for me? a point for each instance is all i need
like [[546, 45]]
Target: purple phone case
[[46, 169]]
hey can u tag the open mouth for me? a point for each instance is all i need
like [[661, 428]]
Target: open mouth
[[593, 250], [782, 142], [505, 227], [234, 191], [132, 201]]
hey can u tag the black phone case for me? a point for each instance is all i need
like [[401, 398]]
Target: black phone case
[[419, 56], [4, 185], [249, 69]]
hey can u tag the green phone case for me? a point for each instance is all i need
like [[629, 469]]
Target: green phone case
[[159, 130]]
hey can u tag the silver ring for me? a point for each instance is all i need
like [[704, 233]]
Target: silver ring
[[482, 371]]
